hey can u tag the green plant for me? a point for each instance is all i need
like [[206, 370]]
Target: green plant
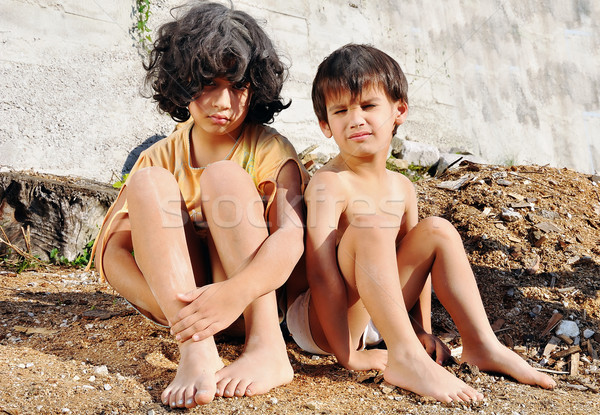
[[143, 16], [80, 261], [413, 172], [120, 183], [24, 258]]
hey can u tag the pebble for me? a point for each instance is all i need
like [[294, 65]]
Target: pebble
[[568, 328], [92, 378], [273, 401], [313, 406], [510, 215], [151, 412], [587, 333], [101, 370], [107, 387]]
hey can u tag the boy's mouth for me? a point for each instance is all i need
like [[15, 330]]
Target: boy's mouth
[[219, 119], [359, 136]]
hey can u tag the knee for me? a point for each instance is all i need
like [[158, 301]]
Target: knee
[[437, 228], [147, 178], [222, 173]]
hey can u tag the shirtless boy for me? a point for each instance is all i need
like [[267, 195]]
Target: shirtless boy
[[367, 257]]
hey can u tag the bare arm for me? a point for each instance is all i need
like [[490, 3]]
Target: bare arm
[[327, 285], [328, 289]]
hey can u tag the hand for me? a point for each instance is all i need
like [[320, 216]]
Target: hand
[[209, 310], [367, 359], [434, 346]]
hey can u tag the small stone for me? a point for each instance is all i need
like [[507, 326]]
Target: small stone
[[107, 387], [568, 328], [509, 215], [386, 388], [101, 370], [92, 378], [587, 333], [312, 405], [151, 412], [315, 357], [273, 401], [503, 182]]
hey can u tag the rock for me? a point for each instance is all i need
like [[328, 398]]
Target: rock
[[503, 182], [548, 214], [510, 215], [587, 333], [386, 388], [312, 405], [453, 160], [548, 227], [400, 164], [417, 153], [568, 328], [456, 184]]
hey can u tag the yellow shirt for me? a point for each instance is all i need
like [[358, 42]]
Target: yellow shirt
[[260, 150]]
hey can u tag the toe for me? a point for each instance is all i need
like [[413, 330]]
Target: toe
[[242, 387], [221, 385], [229, 390]]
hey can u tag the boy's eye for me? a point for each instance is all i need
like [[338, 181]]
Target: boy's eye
[[368, 106], [241, 86], [340, 111]]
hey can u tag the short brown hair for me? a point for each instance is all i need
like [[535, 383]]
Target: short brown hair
[[353, 68]]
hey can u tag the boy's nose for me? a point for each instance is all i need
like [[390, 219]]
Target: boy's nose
[[222, 98], [357, 120]]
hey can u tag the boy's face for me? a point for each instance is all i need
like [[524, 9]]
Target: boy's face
[[364, 126], [221, 107]]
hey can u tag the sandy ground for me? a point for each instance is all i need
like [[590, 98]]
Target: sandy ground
[[69, 344]]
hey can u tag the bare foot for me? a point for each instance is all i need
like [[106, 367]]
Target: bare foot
[[418, 373], [255, 372], [195, 381], [494, 357]]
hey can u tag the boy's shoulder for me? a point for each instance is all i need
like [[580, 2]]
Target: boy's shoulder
[[329, 180]]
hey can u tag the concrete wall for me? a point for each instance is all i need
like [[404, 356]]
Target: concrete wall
[[513, 81]]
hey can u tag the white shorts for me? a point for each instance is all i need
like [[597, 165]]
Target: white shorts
[[298, 325]]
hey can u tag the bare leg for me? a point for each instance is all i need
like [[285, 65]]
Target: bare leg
[[367, 258], [167, 257], [435, 244], [234, 213]]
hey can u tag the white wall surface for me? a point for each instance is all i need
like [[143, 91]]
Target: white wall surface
[[514, 81]]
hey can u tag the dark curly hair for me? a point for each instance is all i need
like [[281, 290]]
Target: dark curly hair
[[210, 41], [352, 68]]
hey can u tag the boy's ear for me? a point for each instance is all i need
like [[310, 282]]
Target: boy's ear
[[325, 128], [401, 112]]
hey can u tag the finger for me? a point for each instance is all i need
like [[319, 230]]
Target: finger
[[442, 353], [179, 325], [207, 332], [191, 331]]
